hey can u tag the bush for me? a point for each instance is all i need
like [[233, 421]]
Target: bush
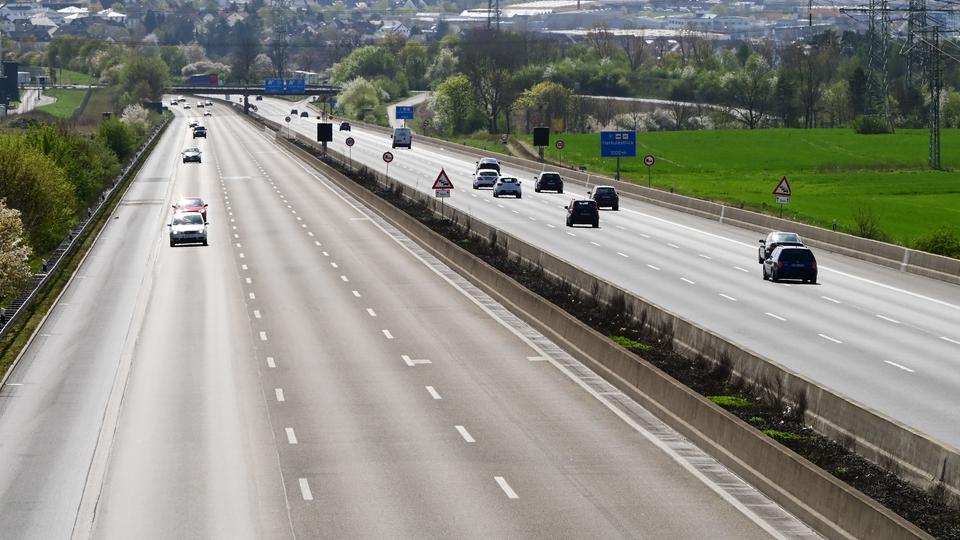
[[731, 402], [941, 241], [867, 225], [872, 125], [14, 252], [118, 137]]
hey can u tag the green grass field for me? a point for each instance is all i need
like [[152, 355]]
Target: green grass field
[[74, 77], [67, 101], [834, 173]]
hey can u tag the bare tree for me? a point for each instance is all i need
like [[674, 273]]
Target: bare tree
[[601, 39], [633, 47], [749, 91]]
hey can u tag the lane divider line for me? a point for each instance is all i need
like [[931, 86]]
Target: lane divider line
[[291, 436], [465, 434], [511, 494], [433, 392], [305, 490]]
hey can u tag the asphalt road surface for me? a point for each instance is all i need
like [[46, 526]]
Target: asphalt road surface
[[313, 374], [886, 339]]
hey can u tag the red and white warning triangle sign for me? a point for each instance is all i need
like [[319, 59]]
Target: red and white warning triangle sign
[[442, 181], [783, 188]]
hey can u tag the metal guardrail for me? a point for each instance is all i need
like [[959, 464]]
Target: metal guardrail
[[12, 312]]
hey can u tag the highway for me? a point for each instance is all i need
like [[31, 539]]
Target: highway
[[886, 339], [312, 373]]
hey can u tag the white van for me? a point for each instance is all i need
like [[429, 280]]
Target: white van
[[402, 137]]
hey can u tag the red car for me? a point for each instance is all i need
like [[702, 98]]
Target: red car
[[191, 204]]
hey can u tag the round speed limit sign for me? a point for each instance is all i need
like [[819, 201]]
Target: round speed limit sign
[[648, 160], [560, 144], [287, 119], [388, 156], [350, 141]]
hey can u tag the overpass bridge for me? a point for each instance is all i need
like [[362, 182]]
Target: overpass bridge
[[247, 90]]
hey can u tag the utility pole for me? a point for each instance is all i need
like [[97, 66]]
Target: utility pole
[[279, 44]]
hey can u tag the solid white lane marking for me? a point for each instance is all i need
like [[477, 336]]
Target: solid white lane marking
[[709, 258], [271, 363], [732, 299], [291, 436], [779, 318], [652, 267], [828, 299], [896, 365], [248, 280], [263, 336], [828, 338], [433, 392], [624, 255], [945, 338], [252, 296], [356, 293], [742, 269], [387, 333], [465, 434], [571, 234], [279, 393], [333, 264], [344, 279], [256, 313], [674, 246], [305, 490], [688, 281], [894, 321], [371, 312], [594, 243], [537, 358], [511, 494]]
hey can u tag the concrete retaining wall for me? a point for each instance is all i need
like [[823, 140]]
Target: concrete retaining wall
[[822, 501]]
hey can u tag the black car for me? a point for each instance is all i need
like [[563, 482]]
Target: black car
[[199, 131], [791, 262], [606, 196], [344, 126], [488, 163], [774, 240], [583, 211], [294, 112], [304, 114], [259, 98], [550, 181]]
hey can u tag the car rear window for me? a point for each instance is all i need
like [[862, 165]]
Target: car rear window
[[508, 180], [796, 255], [550, 177], [583, 204], [604, 191], [488, 172]]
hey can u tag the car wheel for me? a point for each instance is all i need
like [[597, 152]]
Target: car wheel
[[518, 195], [495, 194], [616, 207], [569, 224], [765, 276], [773, 277], [205, 241], [172, 243], [537, 190], [560, 190], [596, 224]]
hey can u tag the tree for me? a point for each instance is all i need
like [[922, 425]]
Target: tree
[[633, 48], [489, 68], [358, 97], [454, 103], [548, 99], [367, 62], [857, 85], [142, 78], [87, 163], [245, 51], [413, 58], [601, 40], [14, 252], [118, 137], [443, 67], [749, 91], [785, 101]]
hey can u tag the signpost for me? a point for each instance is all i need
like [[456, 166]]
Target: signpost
[[387, 158], [648, 160], [783, 192], [273, 86], [287, 120], [618, 144], [560, 144], [403, 112], [350, 142], [442, 186]]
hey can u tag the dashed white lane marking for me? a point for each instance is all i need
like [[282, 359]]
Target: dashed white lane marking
[[777, 317], [644, 235], [309, 233], [515, 212], [511, 494], [279, 393], [652, 267], [594, 243], [500, 205], [412, 362], [356, 293], [674, 246], [624, 255], [551, 226], [325, 254], [317, 243], [465, 434], [344, 279], [433, 392], [303, 225], [742, 269], [243, 267], [263, 336], [333, 264], [688, 281], [236, 235], [896, 365], [621, 227], [945, 338], [732, 299], [256, 313], [531, 218], [271, 363], [252, 296], [828, 338], [387, 333], [242, 256], [828, 299], [291, 436], [888, 319], [298, 217], [248, 280], [305, 490], [570, 233], [701, 255], [371, 312]]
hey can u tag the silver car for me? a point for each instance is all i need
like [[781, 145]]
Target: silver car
[[485, 178], [188, 228], [507, 185]]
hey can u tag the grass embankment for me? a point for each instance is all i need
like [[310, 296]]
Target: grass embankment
[[66, 76], [101, 101], [68, 99], [834, 173]]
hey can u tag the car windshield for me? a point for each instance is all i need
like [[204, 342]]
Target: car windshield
[[796, 255], [192, 151], [190, 202], [188, 219]]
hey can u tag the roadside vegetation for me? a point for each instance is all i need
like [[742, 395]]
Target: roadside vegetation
[[68, 100]]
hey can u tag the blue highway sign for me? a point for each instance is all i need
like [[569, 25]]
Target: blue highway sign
[[618, 144], [404, 112]]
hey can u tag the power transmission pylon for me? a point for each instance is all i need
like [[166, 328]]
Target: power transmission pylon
[[877, 102], [934, 70], [916, 21], [279, 44], [493, 14]]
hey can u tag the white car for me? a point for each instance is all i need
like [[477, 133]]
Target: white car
[[485, 178], [507, 185], [207, 113], [188, 228]]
